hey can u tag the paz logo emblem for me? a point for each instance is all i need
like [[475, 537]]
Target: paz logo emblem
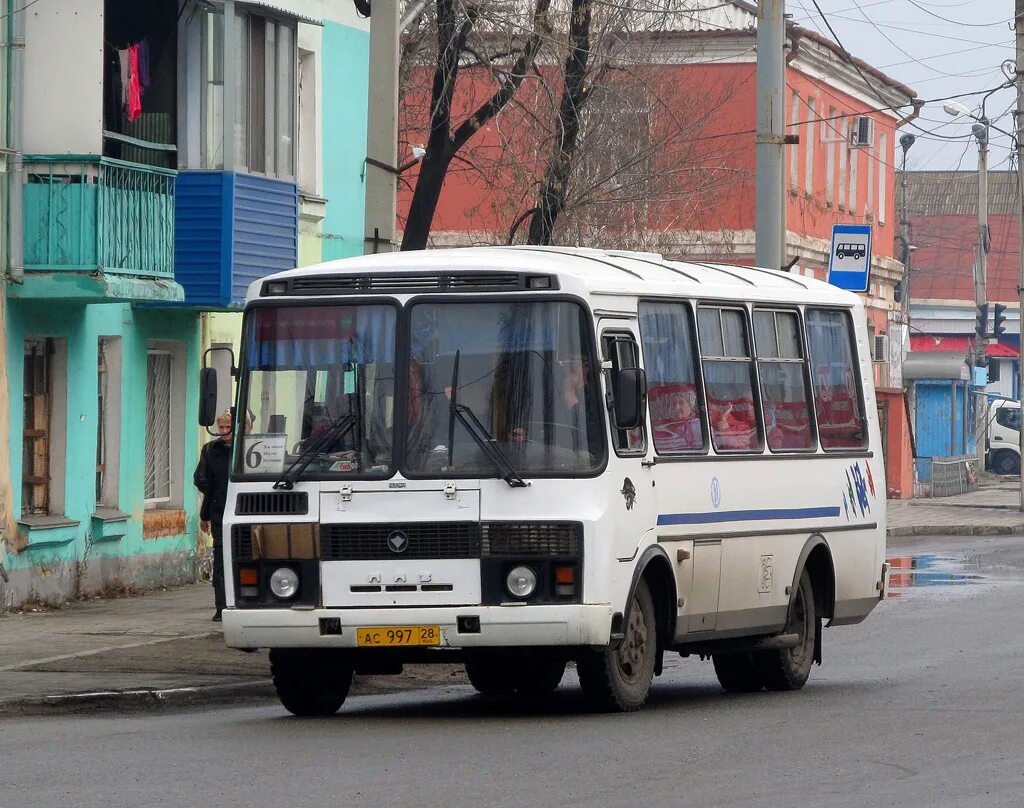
[[398, 542]]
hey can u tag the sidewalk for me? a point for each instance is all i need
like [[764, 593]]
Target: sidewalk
[[161, 649], [994, 509]]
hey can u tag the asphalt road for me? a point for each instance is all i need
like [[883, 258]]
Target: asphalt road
[[920, 705]]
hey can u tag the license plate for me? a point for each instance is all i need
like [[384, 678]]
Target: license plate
[[392, 636]]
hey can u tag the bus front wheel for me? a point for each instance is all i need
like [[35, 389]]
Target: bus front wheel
[[788, 669], [310, 683], [619, 679]]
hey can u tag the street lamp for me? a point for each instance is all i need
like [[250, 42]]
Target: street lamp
[[980, 131]]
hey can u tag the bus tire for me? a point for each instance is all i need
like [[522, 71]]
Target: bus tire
[[788, 668], [738, 673], [490, 676], [539, 677], [619, 679], [310, 683]]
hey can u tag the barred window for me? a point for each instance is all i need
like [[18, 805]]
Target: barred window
[[158, 427]]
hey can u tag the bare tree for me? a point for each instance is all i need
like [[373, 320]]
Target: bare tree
[[454, 25], [602, 144]]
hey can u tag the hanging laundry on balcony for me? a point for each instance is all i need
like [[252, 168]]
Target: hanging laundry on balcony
[[144, 65], [131, 90]]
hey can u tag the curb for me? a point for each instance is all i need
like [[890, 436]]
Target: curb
[[956, 530], [136, 700]]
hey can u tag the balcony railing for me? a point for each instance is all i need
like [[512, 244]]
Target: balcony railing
[[88, 213]]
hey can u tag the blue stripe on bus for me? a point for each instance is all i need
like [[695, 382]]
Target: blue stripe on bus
[[742, 516]]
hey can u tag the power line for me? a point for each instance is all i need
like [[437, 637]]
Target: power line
[[917, 5], [19, 10]]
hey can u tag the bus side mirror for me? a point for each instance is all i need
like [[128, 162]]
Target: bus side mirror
[[630, 398], [207, 396]]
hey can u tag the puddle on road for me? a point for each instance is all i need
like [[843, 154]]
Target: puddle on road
[[908, 572]]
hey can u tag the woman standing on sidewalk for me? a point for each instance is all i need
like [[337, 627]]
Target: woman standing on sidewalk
[[211, 478]]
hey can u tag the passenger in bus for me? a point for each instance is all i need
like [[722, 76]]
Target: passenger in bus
[[675, 418], [733, 424]]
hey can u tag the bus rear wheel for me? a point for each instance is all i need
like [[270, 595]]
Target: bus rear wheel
[[788, 669], [310, 683], [528, 677], [619, 679], [738, 673]]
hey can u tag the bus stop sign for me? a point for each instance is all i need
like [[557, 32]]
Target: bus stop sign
[[849, 264]]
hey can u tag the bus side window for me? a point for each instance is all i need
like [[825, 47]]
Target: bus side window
[[782, 372], [729, 379], [621, 349], [673, 396], [837, 395]]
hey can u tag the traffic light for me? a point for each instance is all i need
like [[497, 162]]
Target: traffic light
[[998, 319], [981, 328]]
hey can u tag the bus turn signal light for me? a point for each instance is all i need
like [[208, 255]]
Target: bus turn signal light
[[248, 576], [565, 575]]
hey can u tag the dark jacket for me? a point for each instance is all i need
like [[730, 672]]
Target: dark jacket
[[211, 478]]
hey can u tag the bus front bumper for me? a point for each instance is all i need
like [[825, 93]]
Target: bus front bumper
[[500, 626]]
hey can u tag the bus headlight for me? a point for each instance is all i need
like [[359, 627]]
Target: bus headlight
[[284, 583], [521, 582]]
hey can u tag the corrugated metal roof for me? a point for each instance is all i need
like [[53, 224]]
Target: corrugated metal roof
[[280, 11], [955, 193]]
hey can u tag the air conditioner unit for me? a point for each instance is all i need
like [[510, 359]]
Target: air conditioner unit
[[862, 132], [881, 348]]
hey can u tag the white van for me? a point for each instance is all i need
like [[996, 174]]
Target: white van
[[1004, 437]]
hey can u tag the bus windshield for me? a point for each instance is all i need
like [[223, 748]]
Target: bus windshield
[[319, 387], [518, 375]]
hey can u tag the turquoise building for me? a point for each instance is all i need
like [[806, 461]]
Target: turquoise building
[[182, 152]]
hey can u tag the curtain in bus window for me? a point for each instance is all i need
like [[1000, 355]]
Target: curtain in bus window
[[836, 395], [666, 331], [787, 421], [316, 336]]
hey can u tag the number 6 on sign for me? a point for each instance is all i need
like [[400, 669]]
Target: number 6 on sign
[[264, 452]]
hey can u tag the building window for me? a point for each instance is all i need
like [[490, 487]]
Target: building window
[[261, 53], [882, 185], [854, 160], [165, 424], [794, 155], [44, 395], [108, 421], [844, 146], [827, 139], [809, 153], [158, 427], [269, 95]]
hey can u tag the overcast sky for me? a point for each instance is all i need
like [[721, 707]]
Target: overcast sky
[[908, 40]]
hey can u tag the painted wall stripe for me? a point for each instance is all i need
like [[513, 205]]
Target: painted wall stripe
[[747, 515]]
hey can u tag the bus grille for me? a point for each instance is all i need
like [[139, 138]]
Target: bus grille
[[369, 542], [531, 538], [276, 503]]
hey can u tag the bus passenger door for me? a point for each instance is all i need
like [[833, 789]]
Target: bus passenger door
[[630, 495]]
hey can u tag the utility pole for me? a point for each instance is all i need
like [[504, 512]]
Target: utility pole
[[1018, 126], [980, 131], [382, 129], [770, 213]]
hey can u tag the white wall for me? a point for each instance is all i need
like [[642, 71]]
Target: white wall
[[64, 77]]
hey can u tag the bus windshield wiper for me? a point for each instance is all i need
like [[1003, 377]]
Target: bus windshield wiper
[[483, 439], [335, 430], [478, 432]]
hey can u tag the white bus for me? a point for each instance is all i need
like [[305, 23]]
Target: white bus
[[517, 458]]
